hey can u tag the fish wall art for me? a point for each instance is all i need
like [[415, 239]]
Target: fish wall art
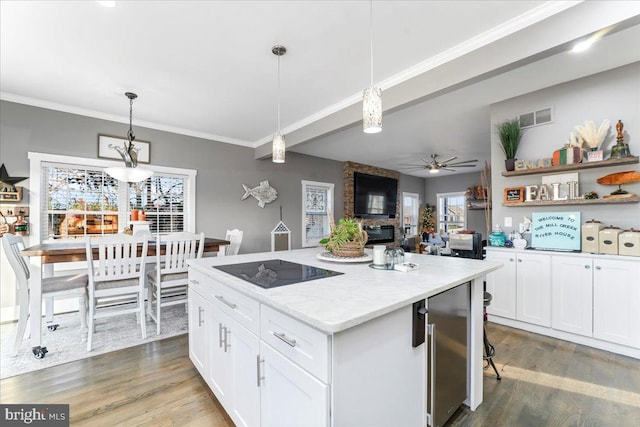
[[263, 193]]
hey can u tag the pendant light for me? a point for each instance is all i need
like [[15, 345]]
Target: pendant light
[[129, 153], [371, 96], [278, 146]]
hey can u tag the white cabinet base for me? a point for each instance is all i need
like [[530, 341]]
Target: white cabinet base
[[590, 342]]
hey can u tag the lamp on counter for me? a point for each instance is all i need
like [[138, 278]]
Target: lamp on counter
[[129, 152]]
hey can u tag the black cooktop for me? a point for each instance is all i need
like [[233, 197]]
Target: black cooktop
[[275, 272]]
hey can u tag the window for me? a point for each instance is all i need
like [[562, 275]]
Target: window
[[317, 205], [77, 198], [410, 209], [451, 212]]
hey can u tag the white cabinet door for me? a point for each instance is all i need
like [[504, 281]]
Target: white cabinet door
[[289, 395], [199, 309], [616, 301], [220, 375], [244, 347], [501, 284], [533, 288], [572, 294]]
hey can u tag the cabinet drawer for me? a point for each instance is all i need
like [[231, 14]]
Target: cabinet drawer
[[197, 281], [307, 347], [240, 307]]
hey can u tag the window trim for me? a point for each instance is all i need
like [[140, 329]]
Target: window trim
[[416, 197], [464, 206], [36, 185], [331, 187]]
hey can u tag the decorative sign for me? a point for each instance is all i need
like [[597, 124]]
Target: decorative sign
[[533, 164], [562, 185], [513, 195], [556, 230]]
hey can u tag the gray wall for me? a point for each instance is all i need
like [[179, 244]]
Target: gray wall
[[222, 169], [454, 183], [612, 95]]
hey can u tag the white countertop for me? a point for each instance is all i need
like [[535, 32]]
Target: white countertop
[[336, 303]]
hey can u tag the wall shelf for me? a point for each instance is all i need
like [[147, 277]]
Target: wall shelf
[[574, 202], [575, 166]]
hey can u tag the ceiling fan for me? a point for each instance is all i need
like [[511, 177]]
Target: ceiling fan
[[434, 165]]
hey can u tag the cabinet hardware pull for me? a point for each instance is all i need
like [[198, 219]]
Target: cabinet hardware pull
[[230, 304], [258, 362], [598, 267], [511, 259], [227, 331], [587, 267], [519, 260], [200, 319], [220, 328], [284, 338], [194, 281]]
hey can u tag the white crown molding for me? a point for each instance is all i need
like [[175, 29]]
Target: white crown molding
[[5, 96]]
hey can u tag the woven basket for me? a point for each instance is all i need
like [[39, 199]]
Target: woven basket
[[350, 250]]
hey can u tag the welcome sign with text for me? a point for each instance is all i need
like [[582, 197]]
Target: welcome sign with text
[[556, 230]]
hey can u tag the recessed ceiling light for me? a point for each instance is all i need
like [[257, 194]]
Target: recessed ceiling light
[[108, 3]]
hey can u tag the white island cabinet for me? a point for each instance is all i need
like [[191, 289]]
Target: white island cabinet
[[589, 299], [335, 351]]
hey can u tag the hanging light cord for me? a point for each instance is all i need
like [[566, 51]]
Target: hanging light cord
[[279, 93], [371, 36]]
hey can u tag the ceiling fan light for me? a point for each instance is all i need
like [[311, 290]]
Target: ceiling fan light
[[434, 170], [372, 110]]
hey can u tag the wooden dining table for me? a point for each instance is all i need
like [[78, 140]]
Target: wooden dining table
[[49, 253]]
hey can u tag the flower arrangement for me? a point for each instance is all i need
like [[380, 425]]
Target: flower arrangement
[[589, 135]]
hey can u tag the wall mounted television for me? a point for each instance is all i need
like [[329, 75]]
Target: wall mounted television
[[374, 196]]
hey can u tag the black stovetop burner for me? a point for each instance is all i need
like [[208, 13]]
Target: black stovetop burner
[[275, 272]]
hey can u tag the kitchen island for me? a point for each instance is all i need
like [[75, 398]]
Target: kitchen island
[[331, 351]]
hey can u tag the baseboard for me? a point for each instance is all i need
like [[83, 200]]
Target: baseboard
[[578, 339]]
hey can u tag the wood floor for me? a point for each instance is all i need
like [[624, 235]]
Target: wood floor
[[546, 382]]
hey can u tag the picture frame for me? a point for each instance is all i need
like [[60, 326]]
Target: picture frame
[[513, 195], [107, 142]]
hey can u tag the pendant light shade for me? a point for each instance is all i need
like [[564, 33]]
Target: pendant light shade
[[278, 146], [129, 174], [129, 153], [372, 110], [371, 96]]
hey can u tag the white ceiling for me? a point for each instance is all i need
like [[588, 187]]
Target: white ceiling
[[205, 68]]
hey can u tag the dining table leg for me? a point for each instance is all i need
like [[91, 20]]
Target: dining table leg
[[35, 307]]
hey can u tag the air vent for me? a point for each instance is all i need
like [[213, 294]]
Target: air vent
[[536, 118]]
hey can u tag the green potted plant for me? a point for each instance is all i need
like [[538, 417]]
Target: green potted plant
[[347, 238], [509, 133]]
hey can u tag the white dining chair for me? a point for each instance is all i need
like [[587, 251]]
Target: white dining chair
[[116, 279], [235, 237], [168, 279], [52, 287]]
